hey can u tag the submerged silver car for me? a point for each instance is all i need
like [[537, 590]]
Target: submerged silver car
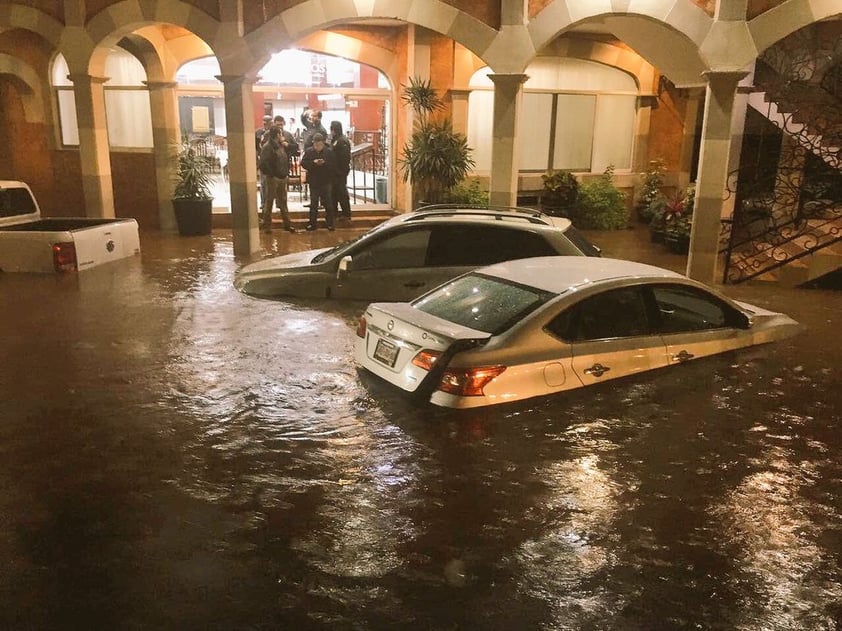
[[412, 253], [539, 326]]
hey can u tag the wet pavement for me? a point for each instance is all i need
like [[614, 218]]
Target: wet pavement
[[175, 455]]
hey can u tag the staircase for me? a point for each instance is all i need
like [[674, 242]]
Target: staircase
[[802, 236], [363, 216]]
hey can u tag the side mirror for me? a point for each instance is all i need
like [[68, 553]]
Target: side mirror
[[345, 266]]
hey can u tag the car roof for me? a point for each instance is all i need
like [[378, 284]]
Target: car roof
[[558, 274], [508, 215]]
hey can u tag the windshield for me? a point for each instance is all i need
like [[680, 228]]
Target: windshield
[[486, 304], [335, 250]]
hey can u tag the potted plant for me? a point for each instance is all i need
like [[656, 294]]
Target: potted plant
[[560, 190], [436, 158], [650, 191], [678, 221], [601, 205], [193, 194]]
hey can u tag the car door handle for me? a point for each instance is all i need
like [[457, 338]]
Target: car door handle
[[597, 370], [414, 285], [683, 356]]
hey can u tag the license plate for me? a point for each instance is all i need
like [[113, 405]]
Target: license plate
[[386, 353]]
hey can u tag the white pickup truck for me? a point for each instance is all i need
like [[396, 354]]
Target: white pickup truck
[[30, 243]]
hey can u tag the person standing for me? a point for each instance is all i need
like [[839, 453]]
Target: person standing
[[341, 148], [274, 166], [258, 145], [319, 163], [312, 122]]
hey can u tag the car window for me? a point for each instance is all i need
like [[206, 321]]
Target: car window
[[684, 308], [481, 302], [580, 243], [611, 314], [479, 245], [407, 248]]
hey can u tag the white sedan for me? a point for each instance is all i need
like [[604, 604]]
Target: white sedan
[[538, 326]]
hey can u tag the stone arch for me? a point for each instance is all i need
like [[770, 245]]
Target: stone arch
[[773, 25], [31, 19], [608, 54], [123, 18], [356, 50], [667, 34], [308, 17], [28, 84]]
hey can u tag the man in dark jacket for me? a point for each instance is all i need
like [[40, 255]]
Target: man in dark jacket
[[319, 163], [274, 165], [341, 147], [312, 122]]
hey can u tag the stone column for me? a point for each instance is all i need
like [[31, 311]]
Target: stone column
[[242, 162], [163, 103], [712, 176], [94, 152], [508, 95]]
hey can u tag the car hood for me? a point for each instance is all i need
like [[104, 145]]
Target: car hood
[[276, 266]]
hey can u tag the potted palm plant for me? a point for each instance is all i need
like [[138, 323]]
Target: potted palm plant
[[193, 194], [436, 158]]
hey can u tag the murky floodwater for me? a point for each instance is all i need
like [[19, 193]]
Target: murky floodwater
[[176, 455]]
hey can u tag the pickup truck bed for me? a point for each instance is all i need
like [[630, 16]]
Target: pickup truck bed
[[31, 243]]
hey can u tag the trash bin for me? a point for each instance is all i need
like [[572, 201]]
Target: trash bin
[[380, 190]]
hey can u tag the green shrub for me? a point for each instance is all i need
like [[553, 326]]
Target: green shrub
[[560, 190], [650, 192], [467, 192], [601, 205]]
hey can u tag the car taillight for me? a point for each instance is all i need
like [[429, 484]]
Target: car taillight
[[64, 257], [468, 382], [426, 358], [362, 326]]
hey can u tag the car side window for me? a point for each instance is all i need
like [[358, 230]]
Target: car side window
[[610, 314], [407, 248], [477, 245], [684, 308]]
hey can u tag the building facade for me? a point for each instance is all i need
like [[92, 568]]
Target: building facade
[[534, 84]]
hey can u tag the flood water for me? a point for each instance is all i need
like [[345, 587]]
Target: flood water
[[175, 455]]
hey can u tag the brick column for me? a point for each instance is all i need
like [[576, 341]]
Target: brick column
[[712, 176], [94, 153], [508, 95], [242, 162], [163, 103]]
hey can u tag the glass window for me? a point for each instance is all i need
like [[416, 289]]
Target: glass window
[[595, 115], [612, 140], [574, 132], [128, 112], [406, 249], [483, 245], [480, 124], [690, 309], [482, 303], [611, 314], [534, 132]]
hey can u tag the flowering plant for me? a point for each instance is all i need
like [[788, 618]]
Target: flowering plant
[[678, 212]]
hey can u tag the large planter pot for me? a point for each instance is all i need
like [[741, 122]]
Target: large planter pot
[[677, 244], [193, 216], [656, 235]]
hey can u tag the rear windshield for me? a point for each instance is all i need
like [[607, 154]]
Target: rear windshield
[[486, 304], [16, 201]]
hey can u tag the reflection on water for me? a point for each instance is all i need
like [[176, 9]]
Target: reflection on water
[[174, 454]]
